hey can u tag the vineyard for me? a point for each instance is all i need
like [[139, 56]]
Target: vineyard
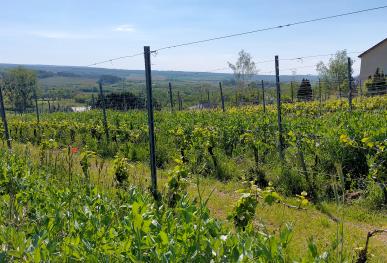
[[75, 189]]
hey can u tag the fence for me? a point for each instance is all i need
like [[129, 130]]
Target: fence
[[219, 95]]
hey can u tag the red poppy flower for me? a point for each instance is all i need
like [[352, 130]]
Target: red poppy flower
[[74, 150]]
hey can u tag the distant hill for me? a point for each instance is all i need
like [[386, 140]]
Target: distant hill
[[46, 71]]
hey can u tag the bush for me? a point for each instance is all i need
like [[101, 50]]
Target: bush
[[121, 170], [290, 182], [162, 155], [375, 198], [134, 152], [258, 176]]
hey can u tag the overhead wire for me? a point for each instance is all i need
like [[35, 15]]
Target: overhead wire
[[271, 71], [242, 33], [269, 28]]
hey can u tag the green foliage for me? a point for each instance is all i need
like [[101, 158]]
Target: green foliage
[[335, 74], [55, 220], [20, 87], [290, 182], [244, 210], [375, 195], [85, 163], [121, 101], [241, 142], [177, 184], [121, 170]]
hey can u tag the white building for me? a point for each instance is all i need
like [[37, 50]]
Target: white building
[[373, 58], [80, 109]]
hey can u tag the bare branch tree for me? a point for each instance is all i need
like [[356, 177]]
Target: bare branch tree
[[244, 69]]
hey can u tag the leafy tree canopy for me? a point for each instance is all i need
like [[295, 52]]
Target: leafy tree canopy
[[20, 87]]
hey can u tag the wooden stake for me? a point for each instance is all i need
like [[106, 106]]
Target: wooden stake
[[170, 96], [105, 124], [4, 118], [148, 77], [263, 96], [350, 83], [280, 137], [221, 96]]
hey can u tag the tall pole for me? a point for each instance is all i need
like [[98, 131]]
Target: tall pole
[[170, 96], [280, 138], [4, 118], [178, 100], [350, 83], [36, 106], [221, 96], [263, 96], [49, 105], [148, 77], [292, 90], [319, 93], [123, 95], [105, 124], [92, 99]]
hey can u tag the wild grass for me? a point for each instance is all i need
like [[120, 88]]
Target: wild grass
[[307, 224]]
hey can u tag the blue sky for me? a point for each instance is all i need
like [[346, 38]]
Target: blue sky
[[83, 32]]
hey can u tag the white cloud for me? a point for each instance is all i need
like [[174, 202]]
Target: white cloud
[[124, 28]]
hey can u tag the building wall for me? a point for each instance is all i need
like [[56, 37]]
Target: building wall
[[373, 59]]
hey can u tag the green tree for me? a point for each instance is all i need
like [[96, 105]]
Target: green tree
[[20, 87], [334, 75], [244, 69]]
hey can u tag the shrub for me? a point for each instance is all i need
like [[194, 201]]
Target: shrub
[[290, 182], [375, 198], [121, 170], [244, 211]]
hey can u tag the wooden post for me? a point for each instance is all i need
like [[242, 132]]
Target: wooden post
[[319, 94], [350, 83], [170, 96], [221, 95], [360, 89], [49, 105], [178, 100], [36, 106], [263, 96], [148, 77], [105, 124], [92, 101], [292, 90], [4, 118], [280, 138], [125, 106], [208, 98]]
